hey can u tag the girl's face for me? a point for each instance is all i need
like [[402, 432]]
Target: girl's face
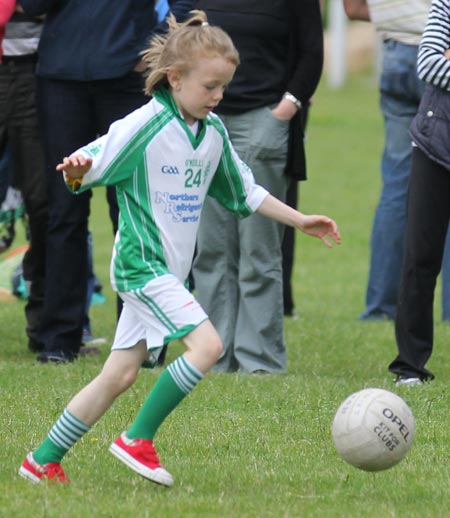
[[199, 90]]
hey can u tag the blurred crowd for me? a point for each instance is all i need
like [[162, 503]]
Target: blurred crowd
[[69, 71]]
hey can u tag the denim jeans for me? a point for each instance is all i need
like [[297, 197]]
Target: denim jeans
[[400, 91]]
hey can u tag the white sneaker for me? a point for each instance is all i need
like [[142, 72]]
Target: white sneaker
[[410, 382], [91, 340]]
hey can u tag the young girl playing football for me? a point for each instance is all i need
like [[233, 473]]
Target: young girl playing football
[[163, 159]]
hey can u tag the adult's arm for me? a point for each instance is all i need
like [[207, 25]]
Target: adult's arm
[[7, 8], [357, 10], [432, 64], [307, 19]]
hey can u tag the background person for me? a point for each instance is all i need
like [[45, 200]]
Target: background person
[[238, 268], [428, 204], [89, 74], [19, 126], [400, 25]]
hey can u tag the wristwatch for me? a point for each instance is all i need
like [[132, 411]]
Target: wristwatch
[[293, 99]]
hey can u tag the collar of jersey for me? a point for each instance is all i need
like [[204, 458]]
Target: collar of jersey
[[164, 96]]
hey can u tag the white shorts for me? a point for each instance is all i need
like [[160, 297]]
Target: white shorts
[[162, 311]]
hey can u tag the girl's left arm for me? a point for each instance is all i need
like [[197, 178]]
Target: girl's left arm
[[318, 226]]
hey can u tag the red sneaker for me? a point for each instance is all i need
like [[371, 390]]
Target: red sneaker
[[35, 472], [140, 455]]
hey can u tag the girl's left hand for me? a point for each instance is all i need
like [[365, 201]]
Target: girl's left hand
[[322, 227]]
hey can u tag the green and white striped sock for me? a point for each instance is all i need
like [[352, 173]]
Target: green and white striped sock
[[177, 380], [185, 375], [64, 434]]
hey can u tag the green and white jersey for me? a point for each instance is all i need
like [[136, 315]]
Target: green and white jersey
[[162, 174]]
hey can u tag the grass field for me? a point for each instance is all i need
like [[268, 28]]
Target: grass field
[[250, 446]]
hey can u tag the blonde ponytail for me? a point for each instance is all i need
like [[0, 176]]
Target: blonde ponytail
[[182, 46]]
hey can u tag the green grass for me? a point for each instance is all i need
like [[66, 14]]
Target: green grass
[[250, 446]]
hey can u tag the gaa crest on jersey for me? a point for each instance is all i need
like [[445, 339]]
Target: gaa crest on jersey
[[169, 169]]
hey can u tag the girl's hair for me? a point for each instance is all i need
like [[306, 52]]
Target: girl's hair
[[182, 46]]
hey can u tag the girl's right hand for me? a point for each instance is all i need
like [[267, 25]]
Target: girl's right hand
[[75, 166]]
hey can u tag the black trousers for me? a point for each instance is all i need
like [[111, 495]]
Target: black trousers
[[288, 250], [19, 126], [428, 215], [288, 243], [71, 114]]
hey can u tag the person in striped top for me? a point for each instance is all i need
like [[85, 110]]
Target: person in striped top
[[433, 65], [400, 24], [163, 159], [428, 203]]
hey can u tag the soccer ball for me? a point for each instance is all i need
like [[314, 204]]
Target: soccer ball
[[373, 429]]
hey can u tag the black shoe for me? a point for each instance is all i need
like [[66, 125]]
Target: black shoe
[[56, 357], [162, 356], [35, 346]]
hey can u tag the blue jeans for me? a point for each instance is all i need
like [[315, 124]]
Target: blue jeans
[[400, 90]]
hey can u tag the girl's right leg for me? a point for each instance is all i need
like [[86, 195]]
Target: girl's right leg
[[135, 447], [178, 380], [85, 409]]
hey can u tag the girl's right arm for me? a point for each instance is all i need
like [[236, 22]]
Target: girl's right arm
[[74, 168]]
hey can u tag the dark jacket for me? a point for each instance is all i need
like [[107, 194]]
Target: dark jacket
[[306, 62], [288, 56], [430, 128], [94, 39]]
